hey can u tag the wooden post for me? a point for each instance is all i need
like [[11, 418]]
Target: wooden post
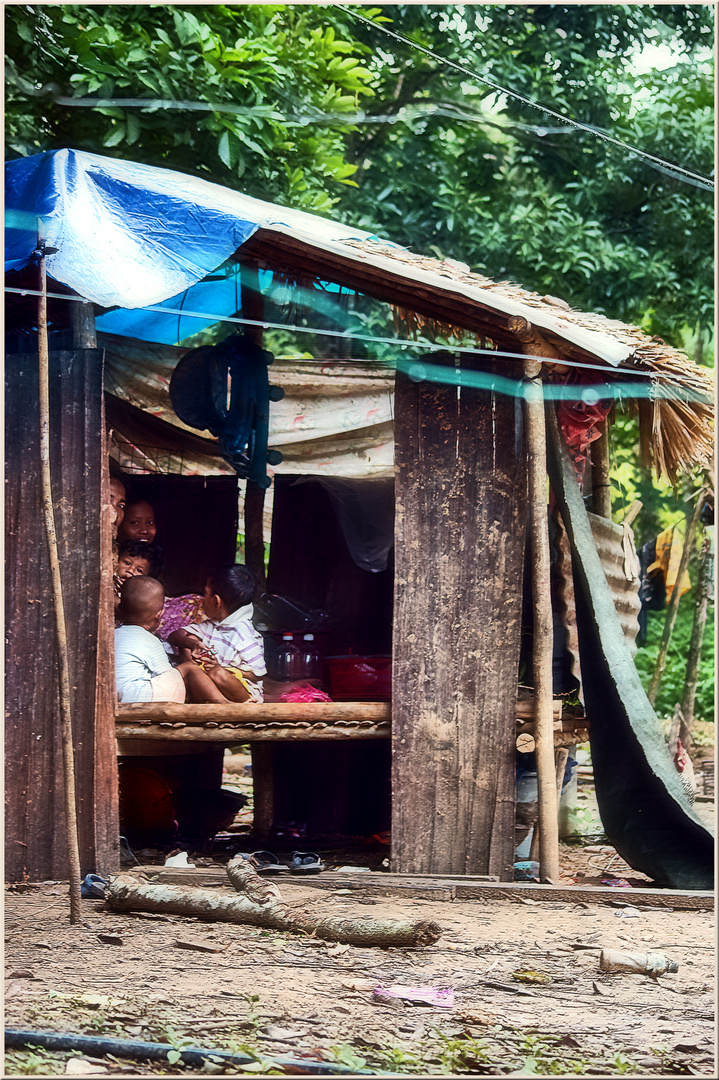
[[83, 325], [68, 753], [601, 485], [671, 615], [253, 307], [543, 639], [543, 628], [460, 488]]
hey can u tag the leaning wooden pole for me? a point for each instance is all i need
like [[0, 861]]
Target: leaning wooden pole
[[68, 753], [543, 625], [671, 615]]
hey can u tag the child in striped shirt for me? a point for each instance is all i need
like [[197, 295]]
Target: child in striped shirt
[[226, 645]]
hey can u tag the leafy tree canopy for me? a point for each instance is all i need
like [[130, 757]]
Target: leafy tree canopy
[[316, 106], [518, 194], [228, 92]]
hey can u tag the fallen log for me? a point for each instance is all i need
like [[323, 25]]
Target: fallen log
[[127, 893]]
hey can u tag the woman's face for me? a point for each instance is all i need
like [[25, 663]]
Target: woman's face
[[138, 523], [117, 501]]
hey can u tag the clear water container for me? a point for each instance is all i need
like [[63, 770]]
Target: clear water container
[[310, 658], [288, 662]]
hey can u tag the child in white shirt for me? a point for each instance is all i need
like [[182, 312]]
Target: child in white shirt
[[226, 645]]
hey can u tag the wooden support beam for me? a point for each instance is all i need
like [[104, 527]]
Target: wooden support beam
[[601, 483], [253, 307], [542, 604]]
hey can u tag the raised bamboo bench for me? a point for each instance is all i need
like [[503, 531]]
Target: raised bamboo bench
[[266, 722], [288, 721]]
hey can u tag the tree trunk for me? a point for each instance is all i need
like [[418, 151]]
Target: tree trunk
[[695, 646], [674, 602], [126, 893]]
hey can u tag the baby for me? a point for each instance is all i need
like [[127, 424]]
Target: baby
[[226, 645], [135, 558], [142, 668]]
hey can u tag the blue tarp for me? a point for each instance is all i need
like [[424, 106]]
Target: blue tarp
[[132, 236]]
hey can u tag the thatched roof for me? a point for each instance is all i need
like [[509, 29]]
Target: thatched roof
[[676, 421]]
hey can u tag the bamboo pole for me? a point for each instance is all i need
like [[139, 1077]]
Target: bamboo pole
[[543, 626], [674, 602], [68, 755]]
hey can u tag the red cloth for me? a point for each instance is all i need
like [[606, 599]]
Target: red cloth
[[579, 423]]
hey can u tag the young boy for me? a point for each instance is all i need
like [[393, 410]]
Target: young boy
[[226, 645], [142, 669]]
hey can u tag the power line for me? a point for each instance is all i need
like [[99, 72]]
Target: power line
[[423, 371], [678, 171]]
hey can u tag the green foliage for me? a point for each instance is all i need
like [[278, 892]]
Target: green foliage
[[222, 91], [464, 171], [671, 687]]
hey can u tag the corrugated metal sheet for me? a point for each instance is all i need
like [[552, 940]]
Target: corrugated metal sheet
[[618, 568], [622, 575]]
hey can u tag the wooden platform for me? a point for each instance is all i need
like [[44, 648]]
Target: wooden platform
[[448, 888], [266, 722], [288, 721]]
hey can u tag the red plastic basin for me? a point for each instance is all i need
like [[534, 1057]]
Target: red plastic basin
[[360, 678]]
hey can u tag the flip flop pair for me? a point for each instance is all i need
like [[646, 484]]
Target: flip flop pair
[[305, 862], [302, 862]]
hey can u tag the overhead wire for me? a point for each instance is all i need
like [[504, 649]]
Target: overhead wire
[[457, 376], [678, 171]]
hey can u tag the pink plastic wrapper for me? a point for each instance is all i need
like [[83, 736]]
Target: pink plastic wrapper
[[616, 883], [428, 995], [306, 692]]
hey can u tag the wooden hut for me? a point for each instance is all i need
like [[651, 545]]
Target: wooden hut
[[450, 608]]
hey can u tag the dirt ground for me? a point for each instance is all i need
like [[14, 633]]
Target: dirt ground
[[528, 994]]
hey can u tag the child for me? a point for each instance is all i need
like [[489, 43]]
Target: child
[[135, 558], [138, 522], [226, 645], [117, 503], [142, 668]]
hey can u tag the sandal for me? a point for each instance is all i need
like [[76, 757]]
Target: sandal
[[305, 862], [264, 862], [93, 887]]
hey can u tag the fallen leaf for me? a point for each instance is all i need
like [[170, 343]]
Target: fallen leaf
[[282, 1034], [83, 1067], [337, 949], [529, 975], [110, 939], [360, 984]]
